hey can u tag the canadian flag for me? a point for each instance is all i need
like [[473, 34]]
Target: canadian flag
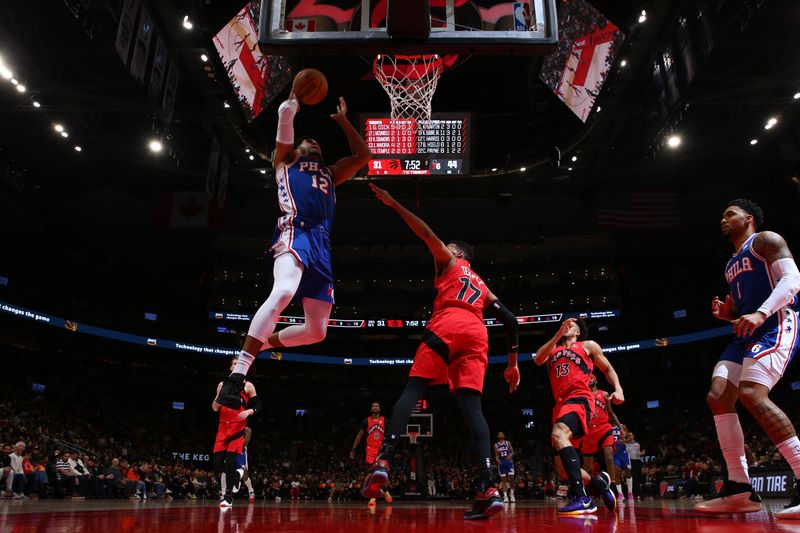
[[187, 209], [302, 25]]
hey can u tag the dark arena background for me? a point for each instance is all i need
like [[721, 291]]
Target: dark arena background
[[587, 149]]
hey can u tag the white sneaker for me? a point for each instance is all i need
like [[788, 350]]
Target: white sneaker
[[512, 499], [733, 498], [505, 498], [226, 503], [791, 511]]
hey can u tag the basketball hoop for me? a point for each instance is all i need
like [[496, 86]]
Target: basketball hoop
[[413, 436], [410, 82]]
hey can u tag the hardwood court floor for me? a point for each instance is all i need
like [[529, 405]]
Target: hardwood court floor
[[654, 516]]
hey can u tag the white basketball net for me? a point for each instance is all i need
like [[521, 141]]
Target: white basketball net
[[410, 82]]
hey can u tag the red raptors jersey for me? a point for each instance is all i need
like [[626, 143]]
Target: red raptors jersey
[[569, 370], [601, 409], [375, 431], [460, 287], [230, 416]]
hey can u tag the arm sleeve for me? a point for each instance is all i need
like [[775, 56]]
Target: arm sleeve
[[254, 403], [501, 312], [286, 113], [785, 271]]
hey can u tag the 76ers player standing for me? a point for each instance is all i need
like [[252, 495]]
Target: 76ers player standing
[[570, 362], [301, 246], [375, 428], [453, 351], [762, 305]]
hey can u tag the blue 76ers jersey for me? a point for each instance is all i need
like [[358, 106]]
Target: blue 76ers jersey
[[306, 192], [750, 280], [502, 450]]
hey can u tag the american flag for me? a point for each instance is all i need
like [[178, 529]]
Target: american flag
[[621, 208]]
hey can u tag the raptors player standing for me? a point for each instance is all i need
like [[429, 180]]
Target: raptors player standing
[[374, 426]]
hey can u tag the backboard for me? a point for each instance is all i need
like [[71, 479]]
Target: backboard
[[322, 27], [422, 423]]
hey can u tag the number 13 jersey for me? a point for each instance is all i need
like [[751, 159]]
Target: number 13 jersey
[[569, 369]]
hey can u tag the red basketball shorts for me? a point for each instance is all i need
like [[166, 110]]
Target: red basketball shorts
[[454, 350], [372, 455], [230, 438], [599, 436], [582, 408]]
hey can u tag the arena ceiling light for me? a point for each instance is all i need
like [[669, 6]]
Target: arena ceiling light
[[673, 141], [796, 96], [251, 157], [623, 63], [494, 169], [522, 169], [21, 88], [36, 104], [187, 24], [643, 17], [771, 123], [78, 148], [58, 127], [64, 134], [203, 57], [263, 171], [226, 105], [155, 145], [753, 142], [14, 81], [5, 72], [574, 158]]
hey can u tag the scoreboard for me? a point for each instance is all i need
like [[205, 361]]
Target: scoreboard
[[407, 147]]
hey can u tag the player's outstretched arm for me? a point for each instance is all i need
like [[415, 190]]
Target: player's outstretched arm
[[776, 254], [496, 308], [254, 405], [442, 256], [601, 362], [284, 140], [345, 168], [543, 353]]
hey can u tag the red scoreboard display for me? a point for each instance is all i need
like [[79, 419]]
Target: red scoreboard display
[[407, 147]]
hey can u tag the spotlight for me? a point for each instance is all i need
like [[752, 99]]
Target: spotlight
[[78, 148], [771, 123], [574, 158], [494, 169], [674, 141], [59, 128], [796, 96], [247, 150], [226, 105], [251, 157], [753, 142], [187, 24], [21, 88], [623, 63], [522, 169], [5, 72], [14, 81], [64, 134], [643, 16], [263, 171], [599, 109], [36, 104], [155, 146], [204, 57], [569, 169]]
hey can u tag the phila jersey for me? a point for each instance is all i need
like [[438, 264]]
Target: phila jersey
[[503, 450], [751, 282], [306, 192]]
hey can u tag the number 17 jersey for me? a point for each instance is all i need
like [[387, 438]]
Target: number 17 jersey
[[462, 288]]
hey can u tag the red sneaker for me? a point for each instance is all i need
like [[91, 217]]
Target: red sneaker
[[377, 480], [486, 504]]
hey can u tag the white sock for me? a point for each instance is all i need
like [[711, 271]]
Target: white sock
[[249, 485], [731, 441], [243, 363], [619, 489], [790, 450], [629, 482], [223, 483]]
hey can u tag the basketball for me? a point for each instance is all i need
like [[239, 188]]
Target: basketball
[[310, 86]]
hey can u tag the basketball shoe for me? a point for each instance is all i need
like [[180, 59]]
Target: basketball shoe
[[230, 394], [486, 504], [734, 497], [792, 509], [226, 502], [579, 505], [377, 480]]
